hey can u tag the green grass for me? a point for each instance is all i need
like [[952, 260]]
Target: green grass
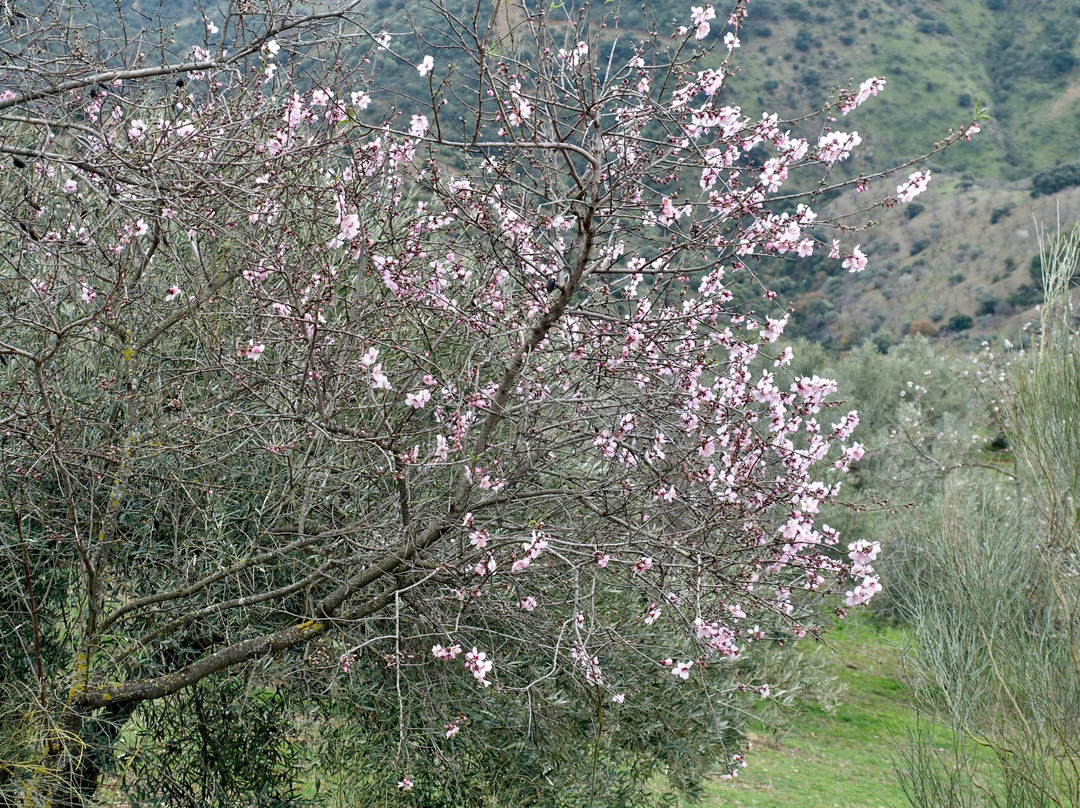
[[841, 759]]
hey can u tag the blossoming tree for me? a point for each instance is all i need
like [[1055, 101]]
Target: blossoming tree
[[302, 377]]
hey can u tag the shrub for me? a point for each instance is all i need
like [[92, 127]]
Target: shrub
[[796, 11], [1001, 211], [804, 40], [882, 340], [1061, 62], [960, 322], [913, 209], [992, 607], [922, 327], [1024, 296], [1055, 179]]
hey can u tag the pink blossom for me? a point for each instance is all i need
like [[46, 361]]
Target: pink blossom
[[254, 350], [419, 125], [418, 399], [862, 593], [137, 130], [405, 784], [915, 185], [426, 65], [836, 146], [872, 86], [477, 662], [379, 380], [527, 604], [445, 653], [349, 228], [666, 493], [593, 675], [577, 55], [863, 552], [682, 670], [172, 293], [856, 262], [700, 17]]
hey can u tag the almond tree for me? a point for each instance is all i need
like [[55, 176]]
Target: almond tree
[[298, 367]]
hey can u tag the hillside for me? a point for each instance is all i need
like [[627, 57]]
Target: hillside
[[965, 250], [968, 247], [1018, 56], [971, 251]]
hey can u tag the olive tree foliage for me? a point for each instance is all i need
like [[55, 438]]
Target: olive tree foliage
[[927, 413], [331, 418], [995, 608]]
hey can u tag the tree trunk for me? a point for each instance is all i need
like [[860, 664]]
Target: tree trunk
[[75, 757]]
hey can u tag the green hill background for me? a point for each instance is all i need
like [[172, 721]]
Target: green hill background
[[964, 249]]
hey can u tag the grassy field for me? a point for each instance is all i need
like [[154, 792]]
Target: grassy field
[[839, 760]]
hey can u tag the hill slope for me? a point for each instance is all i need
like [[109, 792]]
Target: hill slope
[[1019, 57], [968, 252]]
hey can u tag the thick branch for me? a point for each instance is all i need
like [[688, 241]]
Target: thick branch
[[327, 609], [158, 687]]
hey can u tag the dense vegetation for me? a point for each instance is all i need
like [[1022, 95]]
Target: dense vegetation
[[307, 390]]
